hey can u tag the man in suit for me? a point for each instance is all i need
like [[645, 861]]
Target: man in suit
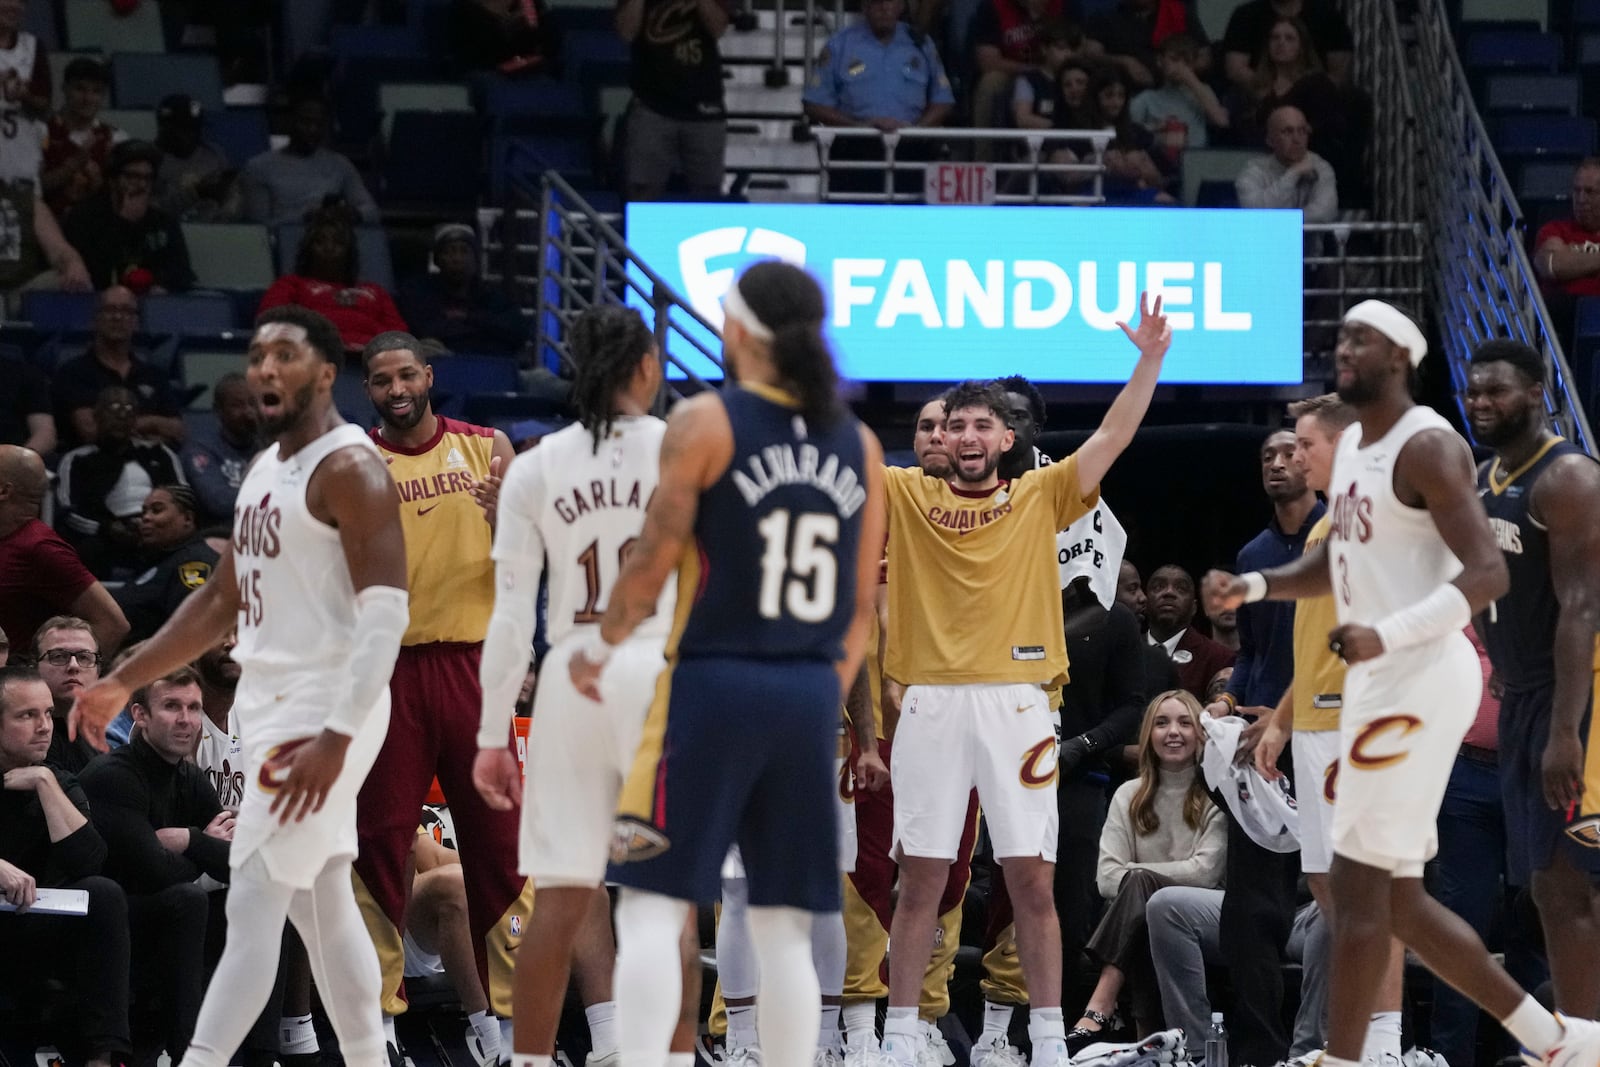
[[1170, 607]]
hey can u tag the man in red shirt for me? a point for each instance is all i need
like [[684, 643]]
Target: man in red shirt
[[40, 575], [1566, 252]]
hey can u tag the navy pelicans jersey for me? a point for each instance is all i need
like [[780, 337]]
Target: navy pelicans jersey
[[773, 571], [1521, 630]]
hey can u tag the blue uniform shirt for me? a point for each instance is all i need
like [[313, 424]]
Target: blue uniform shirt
[[1265, 664], [867, 79]]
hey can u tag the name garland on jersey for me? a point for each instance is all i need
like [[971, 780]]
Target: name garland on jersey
[[1352, 516], [599, 496], [778, 465]]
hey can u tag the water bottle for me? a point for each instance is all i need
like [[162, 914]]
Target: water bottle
[[1217, 1042]]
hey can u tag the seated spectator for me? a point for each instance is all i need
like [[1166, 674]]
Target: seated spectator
[[215, 458], [1566, 252], [1170, 609], [1132, 174], [1162, 830], [40, 574], [194, 182], [179, 560], [77, 141], [26, 88], [125, 239], [453, 307], [677, 121], [1250, 26], [1177, 114], [112, 359], [1005, 36], [67, 657], [284, 185], [1036, 92], [25, 411], [220, 753], [1133, 32], [101, 487], [48, 842], [325, 279], [34, 254], [1224, 629], [502, 35], [1293, 175], [163, 828], [878, 73], [1130, 590]]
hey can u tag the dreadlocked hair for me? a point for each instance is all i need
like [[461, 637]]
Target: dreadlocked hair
[[789, 302], [607, 341], [183, 498]]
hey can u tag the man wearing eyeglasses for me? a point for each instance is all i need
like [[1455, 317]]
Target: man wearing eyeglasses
[[68, 659], [112, 359]]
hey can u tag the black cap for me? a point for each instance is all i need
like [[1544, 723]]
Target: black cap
[[129, 152], [180, 109], [87, 69]]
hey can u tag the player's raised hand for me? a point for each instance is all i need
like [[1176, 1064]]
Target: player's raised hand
[[1153, 335], [487, 491], [1221, 591], [311, 770], [498, 778], [94, 709]]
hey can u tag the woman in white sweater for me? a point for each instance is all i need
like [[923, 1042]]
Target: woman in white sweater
[[1162, 830]]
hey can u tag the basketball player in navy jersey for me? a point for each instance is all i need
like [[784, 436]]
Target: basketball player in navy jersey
[[769, 505], [1543, 499]]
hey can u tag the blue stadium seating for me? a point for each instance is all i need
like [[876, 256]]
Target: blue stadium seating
[[463, 375], [1531, 94], [1545, 181], [388, 41], [241, 132], [1544, 137], [141, 79], [531, 154], [1585, 15], [51, 311], [582, 49], [355, 90], [188, 314], [435, 159], [1513, 51], [504, 97]]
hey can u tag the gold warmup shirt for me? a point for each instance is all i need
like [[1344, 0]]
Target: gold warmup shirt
[[1318, 673]]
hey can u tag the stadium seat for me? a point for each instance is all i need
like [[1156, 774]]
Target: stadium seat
[[40, 20], [241, 132], [451, 143], [436, 97], [1217, 193], [203, 367], [529, 156], [462, 375], [230, 255], [188, 314], [1585, 15], [372, 245], [138, 124], [1524, 50], [355, 90], [558, 102], [582, 49], [54, 311], [1212, 164], [389, 41], [92, 25], [1544, 137], [1531, 94], [140, 80], [1541, 180], [1587, 318]]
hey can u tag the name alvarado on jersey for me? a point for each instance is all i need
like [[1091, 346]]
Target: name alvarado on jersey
[[779, 465]]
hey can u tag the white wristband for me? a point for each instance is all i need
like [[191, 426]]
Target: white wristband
[[1255, 586], [596, 649], [1442, 612]]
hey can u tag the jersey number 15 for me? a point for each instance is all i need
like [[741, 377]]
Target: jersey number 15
[[799, 570]]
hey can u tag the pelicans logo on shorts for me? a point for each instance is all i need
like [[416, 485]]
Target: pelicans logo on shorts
[[1586, 831], [1039, 764], [1402, 726], [634, 840]]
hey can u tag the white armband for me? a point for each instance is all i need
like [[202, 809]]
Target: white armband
[[1255, 586], [507, 648], [1442, 612], [382, 615]]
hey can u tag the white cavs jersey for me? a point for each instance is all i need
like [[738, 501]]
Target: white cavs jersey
[[297, 616], [221, 755], [1384, 556], [21, 138], [584, 508]]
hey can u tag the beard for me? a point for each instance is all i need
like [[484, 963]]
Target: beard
[[1507, 430], [291, 413], [1358, 392], [419, 408], [990, 463]]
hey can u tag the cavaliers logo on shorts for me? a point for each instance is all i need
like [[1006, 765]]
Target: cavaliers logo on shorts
[[1364, 759], [632, 840]]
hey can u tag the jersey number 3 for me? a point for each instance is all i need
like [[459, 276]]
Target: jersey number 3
[[799, 572]]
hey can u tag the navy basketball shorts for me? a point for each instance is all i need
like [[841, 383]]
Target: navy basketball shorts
[[1534, 831]]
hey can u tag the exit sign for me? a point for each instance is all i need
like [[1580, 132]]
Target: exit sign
[[959, 183]]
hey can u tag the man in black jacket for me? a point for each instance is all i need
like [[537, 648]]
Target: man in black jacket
[[164, 827], [47, 841]]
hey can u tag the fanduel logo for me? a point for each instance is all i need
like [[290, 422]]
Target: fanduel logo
[[704, 286]]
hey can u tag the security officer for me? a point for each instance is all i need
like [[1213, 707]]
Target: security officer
[[180, 560], [878, 73]]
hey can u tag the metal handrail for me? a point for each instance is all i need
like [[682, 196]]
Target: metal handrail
[[1032, 141]]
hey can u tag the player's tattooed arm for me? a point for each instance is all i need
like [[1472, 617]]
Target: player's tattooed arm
[[1567, 501]]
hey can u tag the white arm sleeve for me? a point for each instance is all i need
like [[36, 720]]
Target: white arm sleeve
[[1443, 611], [382, 615], [518, 562]]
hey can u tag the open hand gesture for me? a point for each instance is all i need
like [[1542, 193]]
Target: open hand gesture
[[1153, 335]]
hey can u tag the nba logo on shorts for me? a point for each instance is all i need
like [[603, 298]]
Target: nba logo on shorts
[[516, 926]]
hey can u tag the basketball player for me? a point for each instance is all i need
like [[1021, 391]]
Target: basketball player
[[769, 505], [579, 498], [1307, 717], [1409, 558], [1543, 499], [448, 474], [315, 581], [975, 631]]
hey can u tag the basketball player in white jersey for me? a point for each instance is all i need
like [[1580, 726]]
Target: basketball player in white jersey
[[1409, 558], [315, 581], [579, 499]]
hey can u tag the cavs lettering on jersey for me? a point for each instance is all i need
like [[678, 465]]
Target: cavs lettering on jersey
[[1318, 673], [973, 580], [447, 538]]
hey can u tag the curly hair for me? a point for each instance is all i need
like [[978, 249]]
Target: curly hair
[[608, 342]]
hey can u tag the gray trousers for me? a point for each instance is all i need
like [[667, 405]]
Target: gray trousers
[[1184, 924]]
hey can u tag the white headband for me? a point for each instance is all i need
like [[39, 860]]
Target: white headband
[[734, 307], [1393, 324]]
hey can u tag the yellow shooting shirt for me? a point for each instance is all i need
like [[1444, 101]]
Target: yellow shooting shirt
[[447, 537], [1318, 673], [974, 587]]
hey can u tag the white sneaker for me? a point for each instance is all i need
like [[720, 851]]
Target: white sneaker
[[483, 1057], [742, 1056], [827, 1057], [1422, 1057], [905, 1050], [996, 1051], [868, 1056], [1579, 1045], [935, 1051]]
